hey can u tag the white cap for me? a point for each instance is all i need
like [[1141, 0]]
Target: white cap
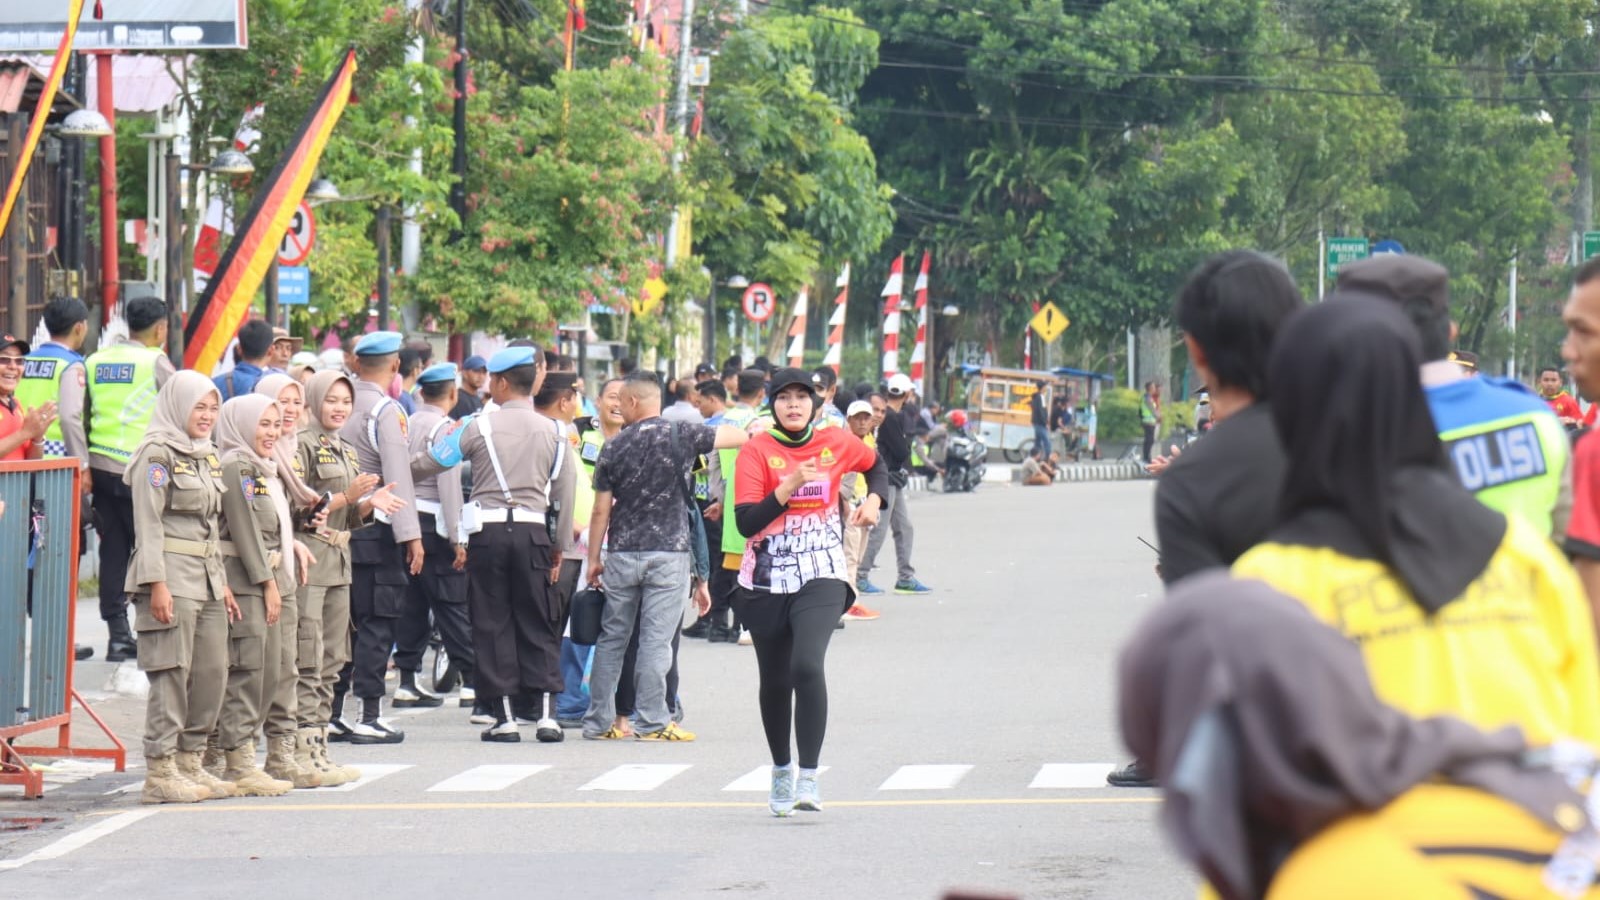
[[900, 383], [305, 358], [857, 408], [332, 358]]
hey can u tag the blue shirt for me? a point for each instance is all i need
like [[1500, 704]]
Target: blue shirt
[[243, 379], [1472, 401]]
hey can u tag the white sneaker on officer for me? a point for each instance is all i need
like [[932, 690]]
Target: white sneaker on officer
[[415, 696], [502, 733], [469, 697], [375, 732], [549, 732]]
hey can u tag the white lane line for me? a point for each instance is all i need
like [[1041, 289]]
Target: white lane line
[[925, 778], [1072, 775], [758, 779], [486, 778], [79, 839], [370, 772], [636, 777]]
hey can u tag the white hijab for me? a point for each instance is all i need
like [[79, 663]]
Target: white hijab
[[169, 425], [236, 434]]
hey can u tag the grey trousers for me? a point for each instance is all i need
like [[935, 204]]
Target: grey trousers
[[323, 649], [186, 662], [651, 588], [896, 517]]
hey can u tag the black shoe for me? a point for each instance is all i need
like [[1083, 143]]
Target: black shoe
[[549, 732], [721, 634], [1131, 775], [481, 715], [338, 731], [411, 696], [502, 733], [122, 645], [375, 732], [701, 628], [81, 652]]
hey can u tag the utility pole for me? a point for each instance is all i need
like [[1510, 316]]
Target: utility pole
[[681, 112], [410, 227], [458, 165], [1511, 319]]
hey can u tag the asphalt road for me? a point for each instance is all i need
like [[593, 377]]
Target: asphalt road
[[969, 735]]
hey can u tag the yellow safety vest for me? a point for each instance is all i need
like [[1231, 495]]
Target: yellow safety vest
[[122, 398]]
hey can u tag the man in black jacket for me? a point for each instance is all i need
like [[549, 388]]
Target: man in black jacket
[[894, 446]]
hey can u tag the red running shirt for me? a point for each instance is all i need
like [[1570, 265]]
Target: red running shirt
[[806, 541], [11, 423], [1564, 406]]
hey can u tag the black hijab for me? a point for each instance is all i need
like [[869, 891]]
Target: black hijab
[[1262, 726], [1367, 475]]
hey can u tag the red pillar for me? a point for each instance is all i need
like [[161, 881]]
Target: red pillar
[[108, 191]]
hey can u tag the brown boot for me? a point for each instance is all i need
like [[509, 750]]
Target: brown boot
[[348, 773], [308, 751], [189, 766], [215, 760], [251, 781], [283, 765], [163, 785]]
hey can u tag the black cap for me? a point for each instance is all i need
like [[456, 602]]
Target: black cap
[[1398, 278], [10, 341], [704, 369], [788, 377]]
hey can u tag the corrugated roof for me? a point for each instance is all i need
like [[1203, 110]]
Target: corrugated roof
[[20, 86]]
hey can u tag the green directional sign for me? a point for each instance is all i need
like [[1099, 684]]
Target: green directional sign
[[1591, 244], [1343, 250]]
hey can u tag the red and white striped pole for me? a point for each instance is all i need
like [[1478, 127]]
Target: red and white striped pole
[[836, 321], [891, 318], [797, 331], [919, 353], [1027, 340]]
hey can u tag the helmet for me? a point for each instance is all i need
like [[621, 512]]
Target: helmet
[[958, 418]]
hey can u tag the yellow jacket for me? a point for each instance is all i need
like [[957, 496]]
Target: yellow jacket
[[1517, 648]]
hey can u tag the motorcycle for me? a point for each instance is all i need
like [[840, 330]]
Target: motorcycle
[[964, 462]]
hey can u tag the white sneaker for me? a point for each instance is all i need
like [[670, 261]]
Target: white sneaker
[[547, 731], [375, 732], [745, 640], [781, 798], [469, 696], [807, 794]]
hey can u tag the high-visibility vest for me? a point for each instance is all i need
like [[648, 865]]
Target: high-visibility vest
[[122, 398], [41, 383], [589, 444], [732, 540], [1505, 445]]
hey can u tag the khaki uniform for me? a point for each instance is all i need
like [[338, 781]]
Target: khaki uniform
[[517, 614], [327, 465], [377, 430], [440, 589], [252, 553], [177, 513]]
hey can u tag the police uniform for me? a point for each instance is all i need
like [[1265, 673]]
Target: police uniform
[[440, 589], [521, 477], [53, 373], [378, 431], [327, 466], [123, 380]]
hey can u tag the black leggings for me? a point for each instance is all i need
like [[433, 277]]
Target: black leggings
[[791, 634]]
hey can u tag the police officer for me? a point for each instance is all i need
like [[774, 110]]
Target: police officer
[[123, 380], [522, 487], [442, 587], [384, 553], [53, 373]]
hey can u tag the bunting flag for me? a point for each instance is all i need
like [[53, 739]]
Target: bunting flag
[[920, 351], [797, 331], [232, 288], [47, 99], [836, 321], [580, 19], [891, 318]]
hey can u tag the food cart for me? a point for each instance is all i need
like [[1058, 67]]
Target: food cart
[[997, 402]]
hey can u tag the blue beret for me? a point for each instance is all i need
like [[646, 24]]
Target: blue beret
[[379, 343], [474, 364], [511, 357], [438, 373]]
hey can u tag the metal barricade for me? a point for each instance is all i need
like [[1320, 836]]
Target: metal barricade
[[39, 561]]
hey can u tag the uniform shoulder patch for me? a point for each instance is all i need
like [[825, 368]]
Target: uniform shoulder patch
[[247, 485], [158, 475]]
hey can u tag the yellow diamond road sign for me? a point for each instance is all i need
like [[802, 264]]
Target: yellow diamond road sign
[[1049, 322]]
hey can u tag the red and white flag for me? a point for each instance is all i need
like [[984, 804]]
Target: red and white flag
[[797, 331], [217, 226], [920, 351], [836, 321], [891, 318]]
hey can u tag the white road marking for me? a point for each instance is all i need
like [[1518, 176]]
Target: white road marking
[[1072, 775], [486, 778], [925, 778], [636, 777], [79, 839], [370, 772], [758, 780]]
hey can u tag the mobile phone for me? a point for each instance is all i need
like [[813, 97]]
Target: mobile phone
[[321, 504]]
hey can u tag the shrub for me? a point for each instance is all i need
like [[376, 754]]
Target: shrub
[[1119, 415]]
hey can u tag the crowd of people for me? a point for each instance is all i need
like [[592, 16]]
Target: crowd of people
[[274, 540], [1376, 672]]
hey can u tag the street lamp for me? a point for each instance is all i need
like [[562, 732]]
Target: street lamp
[[321, 191], [231, 162], [85, 123]]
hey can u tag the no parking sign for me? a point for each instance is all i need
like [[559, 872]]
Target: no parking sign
[[759, 302], [300, 237]]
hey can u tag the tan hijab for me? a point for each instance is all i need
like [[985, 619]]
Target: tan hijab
[[236, 435], [169, 425], [272, 386], [317, 391]]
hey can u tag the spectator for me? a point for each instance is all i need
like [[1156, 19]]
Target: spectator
[[712, 400], [682, 410], [255, 345], [284, 349], [703, 373], [895, 448], [474, 371], [410, 368], [1555, 393], [640, 482], [1150, 417], [1041, 424], [1037, 471]]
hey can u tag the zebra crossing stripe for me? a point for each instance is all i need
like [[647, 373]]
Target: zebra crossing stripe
[[636, 777], [1072, 775], [370, 772], [486, 778], [925, 778], [758, 780]]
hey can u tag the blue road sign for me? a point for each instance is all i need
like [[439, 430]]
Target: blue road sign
[[294, 285], [1387, 247]]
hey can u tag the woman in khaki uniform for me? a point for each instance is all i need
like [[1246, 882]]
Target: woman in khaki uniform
[[282, 724], [258, 555], [180, 592], [324, 638]]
